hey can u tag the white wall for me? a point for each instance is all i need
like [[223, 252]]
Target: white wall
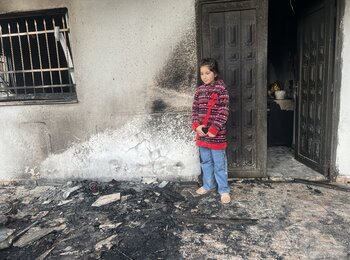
[[125, 55], [124, 52], [343, 149]]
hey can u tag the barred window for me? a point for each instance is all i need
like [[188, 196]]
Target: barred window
[[35, 56]]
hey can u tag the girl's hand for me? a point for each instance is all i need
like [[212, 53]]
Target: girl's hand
[[211, 135], [199, 131]]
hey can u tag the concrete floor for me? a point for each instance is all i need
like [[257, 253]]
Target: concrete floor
[[295, 221], [281, 165], [264, 221]]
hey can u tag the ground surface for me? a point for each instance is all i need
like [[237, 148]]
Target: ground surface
[[281, 165], [264, 221]]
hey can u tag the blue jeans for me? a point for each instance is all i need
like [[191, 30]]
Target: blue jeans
[[214, 168]]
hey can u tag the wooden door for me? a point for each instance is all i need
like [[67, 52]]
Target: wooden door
[[235, 34], [314, 100]]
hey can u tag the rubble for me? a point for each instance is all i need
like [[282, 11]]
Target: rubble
[[219, 221], [34, 234], [9, 240], [64, 202], [106, 199], [46, 202], [124, 198], [45, 254], [5, 233], [70, 191], [107, 226], [149, 180], [105, 243], [40, 215], [335, 186], [148, 221], [163, 184], [3, 219]]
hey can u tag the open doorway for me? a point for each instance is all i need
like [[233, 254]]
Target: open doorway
[[297, 89]]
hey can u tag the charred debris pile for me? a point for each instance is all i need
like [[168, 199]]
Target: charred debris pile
[[103, 220]]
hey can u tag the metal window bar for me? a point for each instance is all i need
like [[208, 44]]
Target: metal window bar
[[70, 57], [38, 57], [56, 34], [64, 37], [39, 52], [48, 53], [12, 56], [21, 51], [30, 53]]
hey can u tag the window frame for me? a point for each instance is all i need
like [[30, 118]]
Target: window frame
[[65, 90]]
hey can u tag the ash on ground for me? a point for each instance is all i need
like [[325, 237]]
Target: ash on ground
[[161, 220]]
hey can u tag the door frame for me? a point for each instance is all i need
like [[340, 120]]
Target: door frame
[[261, 78], [337, 72]]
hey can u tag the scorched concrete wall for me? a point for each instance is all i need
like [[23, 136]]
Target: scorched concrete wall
[[135, 68]]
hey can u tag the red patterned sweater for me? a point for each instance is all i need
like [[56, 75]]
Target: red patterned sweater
[[218, 115]]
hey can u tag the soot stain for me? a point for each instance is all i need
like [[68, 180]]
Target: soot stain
[[158, 106], [179, 72]]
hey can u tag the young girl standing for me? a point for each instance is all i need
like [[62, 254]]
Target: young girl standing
[[209, 116]]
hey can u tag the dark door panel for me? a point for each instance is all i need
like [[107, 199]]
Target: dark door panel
[[235, 34], [315, 30]]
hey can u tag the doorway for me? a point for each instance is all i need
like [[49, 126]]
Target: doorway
[[299, 86], [275, 56]]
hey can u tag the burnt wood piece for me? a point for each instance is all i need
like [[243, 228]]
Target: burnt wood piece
[[9, 241], [324, 185], [219, 221]]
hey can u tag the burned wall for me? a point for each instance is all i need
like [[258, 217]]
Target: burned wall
[[174, 83], [145, 147], [135, 71]]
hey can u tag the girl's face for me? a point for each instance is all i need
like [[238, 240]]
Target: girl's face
[[207, 76]]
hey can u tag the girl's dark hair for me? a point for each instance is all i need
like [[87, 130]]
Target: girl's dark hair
[[212, 65]]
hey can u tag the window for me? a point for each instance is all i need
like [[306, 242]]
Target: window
[[35, 56]]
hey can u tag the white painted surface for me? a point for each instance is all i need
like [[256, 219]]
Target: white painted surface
[[343, 149], [130, 153], [119, 47]]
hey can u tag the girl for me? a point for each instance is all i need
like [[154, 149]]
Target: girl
[[209, 115]]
